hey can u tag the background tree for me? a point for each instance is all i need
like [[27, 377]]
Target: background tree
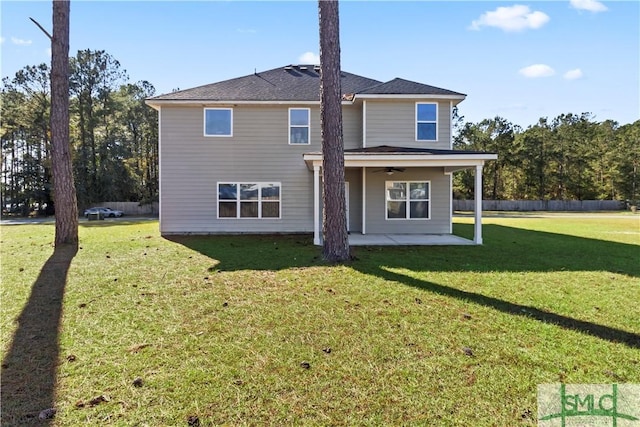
[[494, 135], [113, 135], [140, 130], [626, 177], [571, 157], [604, 157], [334, 224], [95, 78], [532, 153], [25, 133]]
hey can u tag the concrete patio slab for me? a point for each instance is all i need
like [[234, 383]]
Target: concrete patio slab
[[356, 239]]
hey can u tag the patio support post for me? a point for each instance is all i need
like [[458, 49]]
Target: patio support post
[[477, 234], [364, 200], [316, 205]]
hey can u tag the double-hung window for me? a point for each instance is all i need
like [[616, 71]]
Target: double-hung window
[[218, 122], [249, 200], [426, 121], [408, 199], [299, 126]]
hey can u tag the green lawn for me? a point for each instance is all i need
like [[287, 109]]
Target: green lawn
[[246, 330]]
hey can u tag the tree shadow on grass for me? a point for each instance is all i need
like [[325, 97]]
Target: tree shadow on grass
[[506, 249], [603, 332], [516, 249], [510, 249], [30, 366]]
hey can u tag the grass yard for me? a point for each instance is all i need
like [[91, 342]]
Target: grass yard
[[138, 330]]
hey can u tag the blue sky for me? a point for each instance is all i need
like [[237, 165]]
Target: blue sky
[[519, 60]]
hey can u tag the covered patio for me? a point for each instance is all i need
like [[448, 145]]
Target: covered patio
[[402, 158]]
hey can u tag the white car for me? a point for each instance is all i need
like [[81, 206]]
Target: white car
[[105, 212]]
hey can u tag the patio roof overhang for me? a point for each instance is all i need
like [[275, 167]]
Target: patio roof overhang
[[385, 156]]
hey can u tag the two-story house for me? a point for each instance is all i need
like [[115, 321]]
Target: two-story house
[[244, 156]]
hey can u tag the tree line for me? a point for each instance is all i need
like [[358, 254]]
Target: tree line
[[571, 157], [114, 141], [113, 135]]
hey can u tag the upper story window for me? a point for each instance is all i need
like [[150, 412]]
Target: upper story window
[[299, 126], [218, 122], [426, 121], [408, 199]]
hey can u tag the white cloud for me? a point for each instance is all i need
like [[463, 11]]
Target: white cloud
[[511, 18], [537, 70], [590, 5], [20, 42], [573, 74], [2, 40], [309, 58]]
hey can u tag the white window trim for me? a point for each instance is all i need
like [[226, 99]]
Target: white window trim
[[299, 126], [204, 127], [237, 200], [426, 121], [407, 200]]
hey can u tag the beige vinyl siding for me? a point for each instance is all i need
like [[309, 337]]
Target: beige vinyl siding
[[191, 165], [440, 203], [394, 123], [352, 126], [354, 178], [258, 151]]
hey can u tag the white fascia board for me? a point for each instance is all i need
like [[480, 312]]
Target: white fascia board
[[413, 158], [417, 163], [409, 96], [205, 103], [156, 103], [450, 161], [406, 157], [152, 104]]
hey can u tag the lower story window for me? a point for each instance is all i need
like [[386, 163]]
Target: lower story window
[[408, 199], [249, 200]]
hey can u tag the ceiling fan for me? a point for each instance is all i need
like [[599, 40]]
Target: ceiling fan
[[389, 170]]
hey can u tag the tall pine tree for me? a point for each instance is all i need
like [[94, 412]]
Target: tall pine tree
[[334, 224]]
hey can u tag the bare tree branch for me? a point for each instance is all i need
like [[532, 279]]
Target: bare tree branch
[[41, 28]]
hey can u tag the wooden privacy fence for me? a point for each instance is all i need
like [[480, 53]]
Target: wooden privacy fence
[[542, 205], [132, 208]]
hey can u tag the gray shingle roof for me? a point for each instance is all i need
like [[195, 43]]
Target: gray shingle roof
[[291, 83], [400, 86], [296, 83]]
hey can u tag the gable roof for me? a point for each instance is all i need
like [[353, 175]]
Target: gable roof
[[297, 83], [290, 83], [400, 86]]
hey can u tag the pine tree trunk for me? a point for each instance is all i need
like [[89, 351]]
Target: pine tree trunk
[[66, 205], [334, 225]]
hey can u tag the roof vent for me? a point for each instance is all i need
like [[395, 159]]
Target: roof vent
[[317, 68], [288, 67]]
